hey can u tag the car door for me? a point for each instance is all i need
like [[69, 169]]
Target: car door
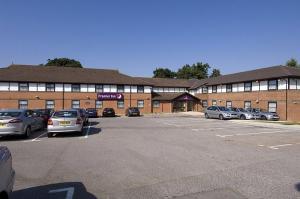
[[215, 112]]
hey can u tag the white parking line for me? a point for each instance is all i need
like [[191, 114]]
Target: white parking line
[[244, 134], [37, 138], [87, 132], [281, 145]]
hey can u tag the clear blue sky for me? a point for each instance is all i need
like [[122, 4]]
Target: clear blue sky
[[136, 36]]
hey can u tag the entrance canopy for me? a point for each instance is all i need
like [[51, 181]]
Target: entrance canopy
[[174, 97]]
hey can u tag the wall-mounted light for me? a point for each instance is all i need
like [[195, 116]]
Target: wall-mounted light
[[257, 101], [88, 97], [37, 97]]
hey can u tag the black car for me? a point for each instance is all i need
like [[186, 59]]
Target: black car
[[132, 111], [92, 112], [108, 112], [44, 113]]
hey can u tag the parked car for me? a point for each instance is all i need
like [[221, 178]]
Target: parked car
[[132, 111], [19, 122], [92, 112], [220, 112], [44, 113], [7, 173], [263, 114], [242, 113], [108, 112], [65, 121]]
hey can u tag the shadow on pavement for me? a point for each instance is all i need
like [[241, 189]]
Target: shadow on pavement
[[67, 190], [33, 135], [297, 186], [93, 123]]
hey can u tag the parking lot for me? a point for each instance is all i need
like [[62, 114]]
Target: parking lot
[[160, 157]]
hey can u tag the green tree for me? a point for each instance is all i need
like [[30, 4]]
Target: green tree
[[63, 62], [163, 73], [196, 71], [215, 73], [292, 63]]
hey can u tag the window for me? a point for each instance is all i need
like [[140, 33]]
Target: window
[[204, 89], [23, 87], [204, 103], [272, 107], [229, 88], [75, 104], [75, 87], [272, 85], [248, 86], [99, 104], [50, 104], [120, 89], [99, 88], [120, 104], [214, 102], [50, 87], [214, 89], [228, 104], [140, 89], [23, 104], [247, 104], [156, 104], [140, 103], [166, 90]]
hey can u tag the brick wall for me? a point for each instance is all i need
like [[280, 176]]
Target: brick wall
[[87, 100]]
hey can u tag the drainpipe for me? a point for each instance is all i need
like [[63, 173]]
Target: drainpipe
[[286, 99], [63, 97]]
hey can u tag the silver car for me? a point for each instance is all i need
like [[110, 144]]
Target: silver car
[[243, 114], [220, 112], [65, 121], [7, 173], [264, 115], [19, 122]]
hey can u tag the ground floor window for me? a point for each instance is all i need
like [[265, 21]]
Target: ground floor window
[[50, 104], [156, 104], [99, 104], [214, 102], [228, 104], [247, 104], [140, 103], [120, 104], [204, 103], [75, 104], [272, 107], [23, 104]]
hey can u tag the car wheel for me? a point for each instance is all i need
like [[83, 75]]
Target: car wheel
[[221, 117], [49, 135], [243, 117], [263, 117], [27, 132], [206, 116]]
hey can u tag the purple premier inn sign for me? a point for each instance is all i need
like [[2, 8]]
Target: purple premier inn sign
[[110, 96]]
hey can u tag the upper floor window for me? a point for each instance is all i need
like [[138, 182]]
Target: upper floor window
[[272, 85], [229, 88], [214, 89], [204, 89], [120, 89], [247, 86], [140, 89], [50, 87], [75, 87], [23, 87], [99, 88]]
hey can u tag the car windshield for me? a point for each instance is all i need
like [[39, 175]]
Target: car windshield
[[91, 109], [134, 109], [242, 110], [67, 114], [108, 109], [222, 108], [9, 114], [233, 109]]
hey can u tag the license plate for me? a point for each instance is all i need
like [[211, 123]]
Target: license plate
[[64, 123]]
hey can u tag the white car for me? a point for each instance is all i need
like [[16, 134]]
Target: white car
[[7, 173]]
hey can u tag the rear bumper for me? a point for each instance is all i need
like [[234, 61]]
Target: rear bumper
[[62, 129]]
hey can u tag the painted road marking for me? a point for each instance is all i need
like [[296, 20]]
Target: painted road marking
[[87, 132], [37, 138], [69, 190], [281, 145], [244, 134]]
